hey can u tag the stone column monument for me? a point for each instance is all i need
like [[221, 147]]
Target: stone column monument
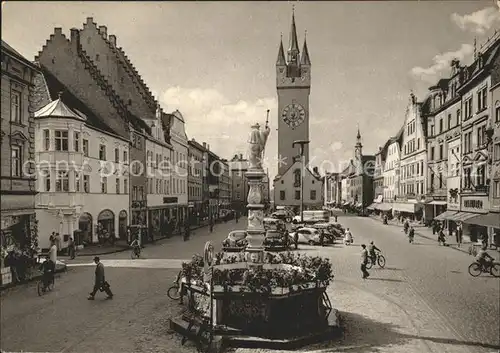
[[255, 176]]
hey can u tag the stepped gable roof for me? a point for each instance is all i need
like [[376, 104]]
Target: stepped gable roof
[[57, 109], [55, 87], [120, 54], [7, 48]]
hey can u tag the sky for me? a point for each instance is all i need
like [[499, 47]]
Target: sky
[[215, 61]]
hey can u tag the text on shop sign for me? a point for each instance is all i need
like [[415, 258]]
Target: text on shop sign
[[473, 203]]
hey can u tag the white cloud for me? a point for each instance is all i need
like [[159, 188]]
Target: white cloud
[[225, 125], [480, 21], [442, 63], [335, 146]]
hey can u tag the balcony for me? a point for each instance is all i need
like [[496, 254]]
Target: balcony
[[59, 199]]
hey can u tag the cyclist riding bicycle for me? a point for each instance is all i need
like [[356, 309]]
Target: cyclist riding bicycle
[[48, 268], [136, 244], [371, 250], [179, 283], [483, 258]]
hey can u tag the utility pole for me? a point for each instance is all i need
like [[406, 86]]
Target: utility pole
[[301, 144]]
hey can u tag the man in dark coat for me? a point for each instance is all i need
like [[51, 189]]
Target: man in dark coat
[[100, 281]]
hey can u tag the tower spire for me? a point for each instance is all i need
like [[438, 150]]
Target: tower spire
[[281, 53], [358, 137], [293, 47], [304, 58]]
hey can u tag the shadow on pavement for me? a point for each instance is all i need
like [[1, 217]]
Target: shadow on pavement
[[385, 279], [363, 335], [392, 269]]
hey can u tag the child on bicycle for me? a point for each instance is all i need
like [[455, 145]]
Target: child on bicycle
[[48, 268]]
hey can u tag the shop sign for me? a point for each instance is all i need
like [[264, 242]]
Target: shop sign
[[9, 221], [477, 204], [170, 200]]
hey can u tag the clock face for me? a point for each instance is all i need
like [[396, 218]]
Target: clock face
[[294, 115]]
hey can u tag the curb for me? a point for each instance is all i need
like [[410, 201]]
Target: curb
[[426, 237], [32, 279], [125, 248]]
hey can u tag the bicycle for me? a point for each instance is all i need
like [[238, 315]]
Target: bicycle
[[43, 287], [380, 260], [174, 292], [493, 268], [136, 250]]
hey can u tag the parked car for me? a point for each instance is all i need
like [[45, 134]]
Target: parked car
[[274, 224], [283, 215], [330, 232], [276, 240], [311, 216], [236, 239], [306, 235]]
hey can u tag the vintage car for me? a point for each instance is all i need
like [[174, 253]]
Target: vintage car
[[306, 235], [235, 241], [283, 215], [276, 240], [330, 232], [310, 217], [274, 224]]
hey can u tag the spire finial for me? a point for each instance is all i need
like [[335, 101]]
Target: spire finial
[[475, 48], [59, 94], [305, 34]]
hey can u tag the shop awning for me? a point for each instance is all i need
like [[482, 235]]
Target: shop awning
[[462, 216], [445, 215], [404, 207], [438, 203], [486, 220], [373, 206], [384, 206]]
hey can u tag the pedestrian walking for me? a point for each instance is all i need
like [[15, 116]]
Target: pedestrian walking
[[53, 251], [71, 248], [211, 225], [100, 281], [458, 234], [364, 261]]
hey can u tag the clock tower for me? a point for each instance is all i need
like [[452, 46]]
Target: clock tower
[[293, 83]]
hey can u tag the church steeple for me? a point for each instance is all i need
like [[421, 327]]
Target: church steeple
[[293, 47], [358, 139], [304, 58], [281, 54]]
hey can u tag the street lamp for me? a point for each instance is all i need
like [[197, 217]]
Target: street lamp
[[301, 144]]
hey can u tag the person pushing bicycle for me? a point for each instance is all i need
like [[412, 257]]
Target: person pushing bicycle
[[48, 268]]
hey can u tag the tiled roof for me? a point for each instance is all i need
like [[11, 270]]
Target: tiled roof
[[57, 109], [55, 87], [8, 48]]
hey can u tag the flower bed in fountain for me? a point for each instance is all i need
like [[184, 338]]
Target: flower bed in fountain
[[283, 296]]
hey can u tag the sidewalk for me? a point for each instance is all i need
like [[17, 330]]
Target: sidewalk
[[120, 245], [36, 275], [426, 232]]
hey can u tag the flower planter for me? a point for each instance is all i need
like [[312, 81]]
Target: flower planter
[[218, 289], [234, 288]]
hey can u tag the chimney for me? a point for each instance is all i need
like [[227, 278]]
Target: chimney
[[58, 30], [379, 148], [204, 145], [208, 147], [112, 40], [104, 31], [75, 38], [241, 156], [315, 170]]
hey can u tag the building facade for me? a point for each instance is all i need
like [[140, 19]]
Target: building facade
[[225, 185], [293, 84], [442, 112], [213, 182], [284, 195], [18, 176], [195, 180], [392, 168], [332, 192], [83, 185], [410, 201], [159, 153], [179, 178], [477, 140], [239, 183], [495, 155]]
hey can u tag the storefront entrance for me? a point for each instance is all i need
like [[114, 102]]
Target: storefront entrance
[[106, 222], [85, 225], [122, 224]]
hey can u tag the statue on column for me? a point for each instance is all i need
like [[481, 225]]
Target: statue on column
[[257, 144]]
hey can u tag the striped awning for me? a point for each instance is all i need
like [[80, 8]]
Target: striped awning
[[462, 216], [384, 206], [485, 220], [445, 215]]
